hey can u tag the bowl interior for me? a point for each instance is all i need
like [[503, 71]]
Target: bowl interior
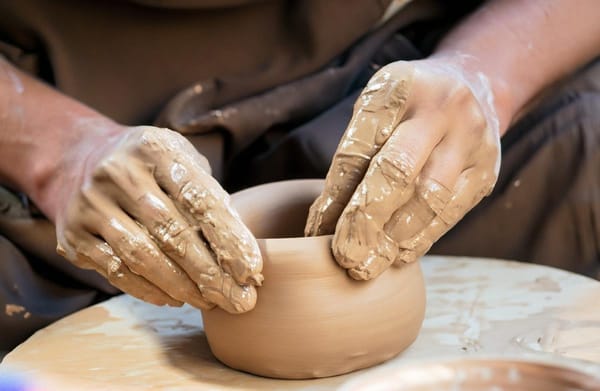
[[277, 210]]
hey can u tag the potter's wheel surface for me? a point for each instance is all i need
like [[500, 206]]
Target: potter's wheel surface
[[476, 307]]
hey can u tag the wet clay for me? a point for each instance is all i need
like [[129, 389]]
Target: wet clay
[[311, 319], [147, 215], [475, 307], [136, 204], [12, 309], [399, 179]]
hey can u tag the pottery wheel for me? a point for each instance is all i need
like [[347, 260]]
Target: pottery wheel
[[476, 307]]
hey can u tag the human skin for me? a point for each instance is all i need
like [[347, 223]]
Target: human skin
[[59, 152], [138, 205], [423, 145]]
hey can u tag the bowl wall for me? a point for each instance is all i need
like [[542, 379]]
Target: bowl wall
[[311, 319]]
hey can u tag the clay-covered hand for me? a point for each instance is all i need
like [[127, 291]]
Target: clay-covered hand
[[141, 208], [422, 149]]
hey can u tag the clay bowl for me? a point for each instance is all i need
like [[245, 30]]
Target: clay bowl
[[311, 319], [479, 374]]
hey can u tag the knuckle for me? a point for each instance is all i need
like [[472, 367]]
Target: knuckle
[[463, 97], [462, 94], [192, 196], [473, 123], [453, 213], [112, 264], [348, 170], [85, 205], [135, 248], [198, 200], [382, 76], [115, 269], [152, 140], [434, 193], [149, 135], [109, 167], [86, 202], [387, 89], [170, 237], [397, 166], [87, 192], [397, 69], [477, 119]]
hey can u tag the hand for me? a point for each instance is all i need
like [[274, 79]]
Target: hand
[[140, 208], [422, 149]]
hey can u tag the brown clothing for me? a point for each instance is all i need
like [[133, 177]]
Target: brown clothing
[[127, 59], [131, 60], [282, 77]]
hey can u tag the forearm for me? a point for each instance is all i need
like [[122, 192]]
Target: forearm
[[37, 127], [524, 46]]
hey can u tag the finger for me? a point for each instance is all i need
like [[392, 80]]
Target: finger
[[433, 190], [378, 110], [435, 185], [202, 200], [360, 242], [181, 243], [119, 275], [141, 255], [471, 187], [91, 253]]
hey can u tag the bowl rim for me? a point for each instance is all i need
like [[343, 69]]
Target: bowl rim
[[296, 239]]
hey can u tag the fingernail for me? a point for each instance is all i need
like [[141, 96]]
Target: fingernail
[[256, 279], [359, 274]]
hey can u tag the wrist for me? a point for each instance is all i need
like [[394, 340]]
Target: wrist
[[59, 167], [491, 90], [39, 147]]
